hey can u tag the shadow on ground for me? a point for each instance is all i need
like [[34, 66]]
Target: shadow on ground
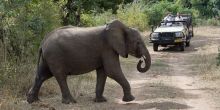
[[164, 106]]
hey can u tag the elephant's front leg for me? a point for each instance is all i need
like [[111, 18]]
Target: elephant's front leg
[[120, 78], [100, 84], [113, 69]]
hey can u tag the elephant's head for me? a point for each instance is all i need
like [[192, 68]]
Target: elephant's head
[[125, 40]]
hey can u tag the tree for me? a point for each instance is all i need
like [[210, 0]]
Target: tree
[[184, 3], [74, 8], [205, 7]]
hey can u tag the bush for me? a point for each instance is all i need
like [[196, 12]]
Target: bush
[[213, 22], [24, 25], [96, 19], [133, 15], [206, 22]]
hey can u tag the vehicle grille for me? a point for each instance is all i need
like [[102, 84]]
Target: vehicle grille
[[166, 36]]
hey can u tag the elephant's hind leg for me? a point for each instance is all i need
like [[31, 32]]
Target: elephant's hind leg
[[42, 74], [66, 96], [100, 84], [60, 72]]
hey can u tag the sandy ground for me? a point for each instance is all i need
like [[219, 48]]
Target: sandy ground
[[172, 83]]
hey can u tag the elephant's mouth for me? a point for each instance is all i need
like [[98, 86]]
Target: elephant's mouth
[[138, 53]]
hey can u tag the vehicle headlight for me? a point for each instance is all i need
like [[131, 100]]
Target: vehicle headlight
[[179, 34], [154, 35]]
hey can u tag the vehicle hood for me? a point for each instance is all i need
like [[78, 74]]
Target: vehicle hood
[[169, 29]]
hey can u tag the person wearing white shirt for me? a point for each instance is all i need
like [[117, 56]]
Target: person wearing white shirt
[[178, 17], [168, 18]]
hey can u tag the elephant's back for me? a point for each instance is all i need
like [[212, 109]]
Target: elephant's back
[[89, 39], [78, 49]]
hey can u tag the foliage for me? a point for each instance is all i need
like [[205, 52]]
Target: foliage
[[24, 24], [158, 10], [96, 19], [74, 8], [133, 15], [206, 8]]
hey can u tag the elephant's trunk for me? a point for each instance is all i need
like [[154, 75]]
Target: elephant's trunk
[[147, 60]]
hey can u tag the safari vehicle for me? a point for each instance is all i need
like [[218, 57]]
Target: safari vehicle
[[177, 33]]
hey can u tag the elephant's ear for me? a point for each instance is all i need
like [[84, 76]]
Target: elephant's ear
[[116, 37]]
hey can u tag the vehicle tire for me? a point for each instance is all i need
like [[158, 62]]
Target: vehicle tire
[[182, 46], [188, 44], [155, 47], [191, 33]]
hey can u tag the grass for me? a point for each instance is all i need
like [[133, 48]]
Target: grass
[[205, 61], [210, 31]]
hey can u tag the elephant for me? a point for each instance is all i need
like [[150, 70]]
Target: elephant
[[73, 50]]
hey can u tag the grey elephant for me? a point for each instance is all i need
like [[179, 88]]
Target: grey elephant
[[72, 51]]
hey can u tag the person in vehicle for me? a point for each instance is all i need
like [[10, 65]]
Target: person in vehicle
[[178, 17], [168, 18]]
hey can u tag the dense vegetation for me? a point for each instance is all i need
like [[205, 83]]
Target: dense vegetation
[[25, 22]]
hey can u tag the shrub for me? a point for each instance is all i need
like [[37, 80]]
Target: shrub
[[133, 15], [24, 26], [213, 22], [96, 19]]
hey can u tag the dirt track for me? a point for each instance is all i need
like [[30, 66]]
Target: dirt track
[[173, 82]]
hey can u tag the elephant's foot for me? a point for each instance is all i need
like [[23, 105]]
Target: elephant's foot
[[68, 100], [128, 98], [32, 98], [100, 99]]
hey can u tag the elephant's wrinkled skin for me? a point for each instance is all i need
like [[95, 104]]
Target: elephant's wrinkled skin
[[73, 51]]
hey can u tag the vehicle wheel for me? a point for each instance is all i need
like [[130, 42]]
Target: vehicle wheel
[[155, 47], [182, 46], [188, 44]]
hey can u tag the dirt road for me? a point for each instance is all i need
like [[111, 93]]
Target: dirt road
[[174, 82]]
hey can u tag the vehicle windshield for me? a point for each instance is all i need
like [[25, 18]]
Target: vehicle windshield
[[171, 24]]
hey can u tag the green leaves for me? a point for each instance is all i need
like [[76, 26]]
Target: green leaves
[[26, 23], [206, 8]]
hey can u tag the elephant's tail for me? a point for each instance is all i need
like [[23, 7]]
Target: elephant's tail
[[38, 60]]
